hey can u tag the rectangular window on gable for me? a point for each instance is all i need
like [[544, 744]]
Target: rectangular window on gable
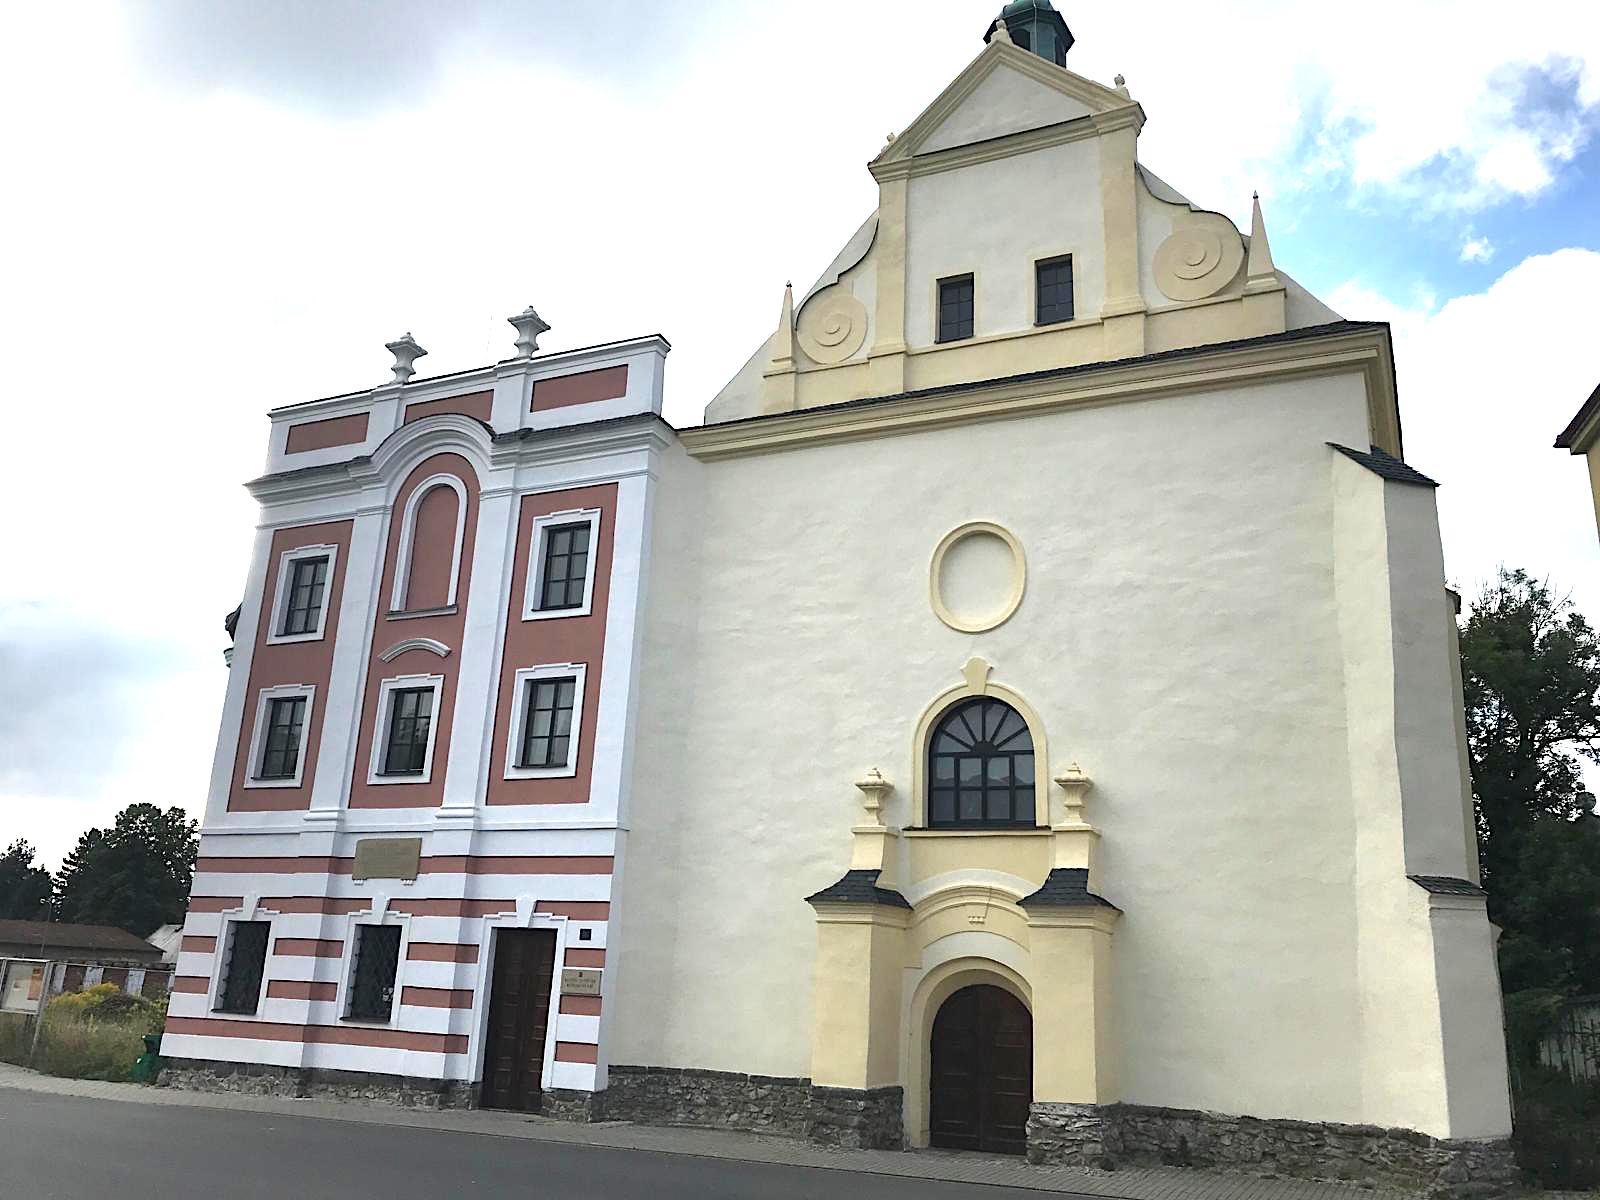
[[561, 565], [547, 722], [1053, 290], [377, 961], [955, 308], [243, 966], [307, 583], [280, 756]]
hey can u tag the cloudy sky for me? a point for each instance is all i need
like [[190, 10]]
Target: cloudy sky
[[217, 206]]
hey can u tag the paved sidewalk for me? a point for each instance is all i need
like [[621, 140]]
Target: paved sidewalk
[[1129, 1184]]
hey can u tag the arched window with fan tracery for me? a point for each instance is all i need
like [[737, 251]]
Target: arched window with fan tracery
[[980, 767]]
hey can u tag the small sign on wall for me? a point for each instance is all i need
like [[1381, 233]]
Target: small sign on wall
[[387, 858], [580, 981]]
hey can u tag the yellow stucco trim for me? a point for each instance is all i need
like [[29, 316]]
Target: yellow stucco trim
[[1019, 577]]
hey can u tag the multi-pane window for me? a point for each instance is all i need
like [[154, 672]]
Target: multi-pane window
[[547, 722], [955, 308], [372, 982], [1053, 279], [280, 750], [245, 964], [405, 750], [566, 566], [302, 609], [980, 767]]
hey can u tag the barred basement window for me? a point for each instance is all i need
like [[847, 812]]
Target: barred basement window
[[410, 715], [280, 754], [547, 722], [980, 767], [243, 967], [308, 582], [372, 981], [1053, 285], [955, 308]]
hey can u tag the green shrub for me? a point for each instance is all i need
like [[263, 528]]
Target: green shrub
[[96, 1033]]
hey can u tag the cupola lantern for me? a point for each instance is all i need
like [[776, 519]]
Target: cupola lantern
[[1035, 26]]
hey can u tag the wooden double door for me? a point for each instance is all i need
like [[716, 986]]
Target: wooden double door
[[519, 1017], [982, 1072]]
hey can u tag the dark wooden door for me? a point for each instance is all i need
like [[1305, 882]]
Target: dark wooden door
[[519, 1014], [982, 1072]]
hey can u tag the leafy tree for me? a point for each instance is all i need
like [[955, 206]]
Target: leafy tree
[[1531, 678], [135, 875], [24, 886]]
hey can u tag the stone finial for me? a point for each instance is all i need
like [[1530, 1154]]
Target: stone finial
[[783, 343], [406, 351], [874, 787], [1075, 787], [529, 325], [1122, 86], [1259, 268], [1001, 33]]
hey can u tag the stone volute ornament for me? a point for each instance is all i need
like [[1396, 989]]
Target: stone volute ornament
[[874, 788], [529, 325], [406, 351]]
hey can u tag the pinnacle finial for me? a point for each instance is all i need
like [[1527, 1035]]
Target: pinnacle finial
[[529, 325], [1259, 267], [406, 351]]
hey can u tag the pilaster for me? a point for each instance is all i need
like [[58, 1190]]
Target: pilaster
[[1124, 307], [886, 361]]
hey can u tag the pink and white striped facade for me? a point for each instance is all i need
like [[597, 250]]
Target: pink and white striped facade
[[426, 499]]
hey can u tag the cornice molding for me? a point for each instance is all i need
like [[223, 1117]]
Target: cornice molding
[[1007, 145], [1364, 350]]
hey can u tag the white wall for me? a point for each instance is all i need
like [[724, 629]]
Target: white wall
[[1179, 637]]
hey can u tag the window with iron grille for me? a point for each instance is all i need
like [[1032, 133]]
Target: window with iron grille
[[980, 767], [1053, 279], [280, 751], [410, 715], [245, 964], [955, 308], [372, 981], [547, 722], [308, 581], [566, 567]]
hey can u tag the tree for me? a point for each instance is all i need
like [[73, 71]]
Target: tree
[[1531, 681], [135, 875], [24, 886]]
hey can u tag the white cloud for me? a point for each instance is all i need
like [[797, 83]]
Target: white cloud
[[1486, 383], [1476, 249]]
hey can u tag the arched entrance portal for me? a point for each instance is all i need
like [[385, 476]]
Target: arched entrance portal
[[981, 1072]]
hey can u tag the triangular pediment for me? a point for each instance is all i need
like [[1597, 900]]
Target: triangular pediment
[[1004, 90]]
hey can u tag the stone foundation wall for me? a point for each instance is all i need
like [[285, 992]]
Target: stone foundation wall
[[787, 1106], [1086, 1135], [260, 1079]]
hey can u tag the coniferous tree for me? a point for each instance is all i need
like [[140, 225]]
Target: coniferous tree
[[135, 875], [24, 885]]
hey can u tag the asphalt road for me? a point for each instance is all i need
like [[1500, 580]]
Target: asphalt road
[[71, 1148]]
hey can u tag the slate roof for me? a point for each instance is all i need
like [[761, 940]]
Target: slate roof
[[1066, 887], [1381, 462], [858, 887], [1569, 435], [58, 935], [1445, 885]]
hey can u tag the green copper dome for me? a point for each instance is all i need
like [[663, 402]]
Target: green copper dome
[[1035, 26]]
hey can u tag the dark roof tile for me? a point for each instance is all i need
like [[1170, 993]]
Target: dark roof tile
[[858, 887], [1446, 885], [1066, 887], [1382, 463]]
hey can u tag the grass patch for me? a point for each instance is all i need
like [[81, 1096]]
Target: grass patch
[[16, 1031], [93, 1034]]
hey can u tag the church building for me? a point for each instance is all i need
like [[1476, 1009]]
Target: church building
[[1025, 716]]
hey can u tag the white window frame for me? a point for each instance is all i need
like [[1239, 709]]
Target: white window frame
[[577, 671], [532, 593], [258, 734], [347, 979], [280, 602], [222, 962], [408, 531], [380, 733]]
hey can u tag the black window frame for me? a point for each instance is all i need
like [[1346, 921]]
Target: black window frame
[[1054, 317], [240, 991], [531, 707], [418, 727], [574, 565], [374, 973], [282, 741], [301, 619], [1000, 737], [955, 318]]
